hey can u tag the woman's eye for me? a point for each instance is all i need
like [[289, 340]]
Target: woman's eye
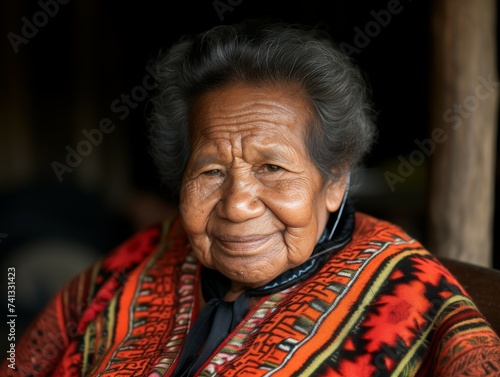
[[213, 172], [272, 168]]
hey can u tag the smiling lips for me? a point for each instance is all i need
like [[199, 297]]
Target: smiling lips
[[247, 244]]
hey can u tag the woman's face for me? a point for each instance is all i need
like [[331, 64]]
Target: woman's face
[[252, 202]]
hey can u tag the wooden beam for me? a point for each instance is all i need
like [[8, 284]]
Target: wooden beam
[[463, 112]]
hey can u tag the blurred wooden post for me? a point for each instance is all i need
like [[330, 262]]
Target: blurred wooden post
[[464, 95]]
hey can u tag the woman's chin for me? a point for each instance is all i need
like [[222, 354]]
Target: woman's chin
[[249, 275]]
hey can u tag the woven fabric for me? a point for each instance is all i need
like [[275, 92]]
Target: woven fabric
[[381, 306]]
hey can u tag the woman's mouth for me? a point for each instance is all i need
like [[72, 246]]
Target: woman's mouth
[[247, 244]]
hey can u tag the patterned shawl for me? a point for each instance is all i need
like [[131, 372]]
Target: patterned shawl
[[381, 306]]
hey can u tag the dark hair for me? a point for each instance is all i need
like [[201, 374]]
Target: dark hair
[[342, 130]]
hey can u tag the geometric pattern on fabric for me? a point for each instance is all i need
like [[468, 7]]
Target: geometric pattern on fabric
[[381, 306]]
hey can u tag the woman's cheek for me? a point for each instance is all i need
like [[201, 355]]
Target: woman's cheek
[[292, 208], [191, 211], [197, 205], [201, 247], [195, 214]]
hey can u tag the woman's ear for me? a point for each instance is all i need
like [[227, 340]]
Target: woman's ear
[[335, 193]]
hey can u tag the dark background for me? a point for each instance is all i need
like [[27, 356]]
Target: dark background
[[88, 54]]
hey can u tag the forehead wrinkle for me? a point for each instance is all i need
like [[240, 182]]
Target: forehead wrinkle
[[227, 125], [280, 154], [216, 115], [239, 125], [206, 151], [243, 140]]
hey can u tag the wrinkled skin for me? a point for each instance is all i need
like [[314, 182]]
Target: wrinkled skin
[[252, 202]]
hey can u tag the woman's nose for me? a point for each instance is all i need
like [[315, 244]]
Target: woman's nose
[[240, 199]]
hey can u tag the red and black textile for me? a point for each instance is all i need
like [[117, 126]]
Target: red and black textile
[[381, 306]]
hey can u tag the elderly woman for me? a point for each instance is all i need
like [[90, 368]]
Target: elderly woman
[[267, 269]]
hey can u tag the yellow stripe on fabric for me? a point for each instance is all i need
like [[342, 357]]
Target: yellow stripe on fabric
[[86, 349], [91, 283], [319, 360], [481, 325], [411, 352], [86, 302], [111, 321]]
